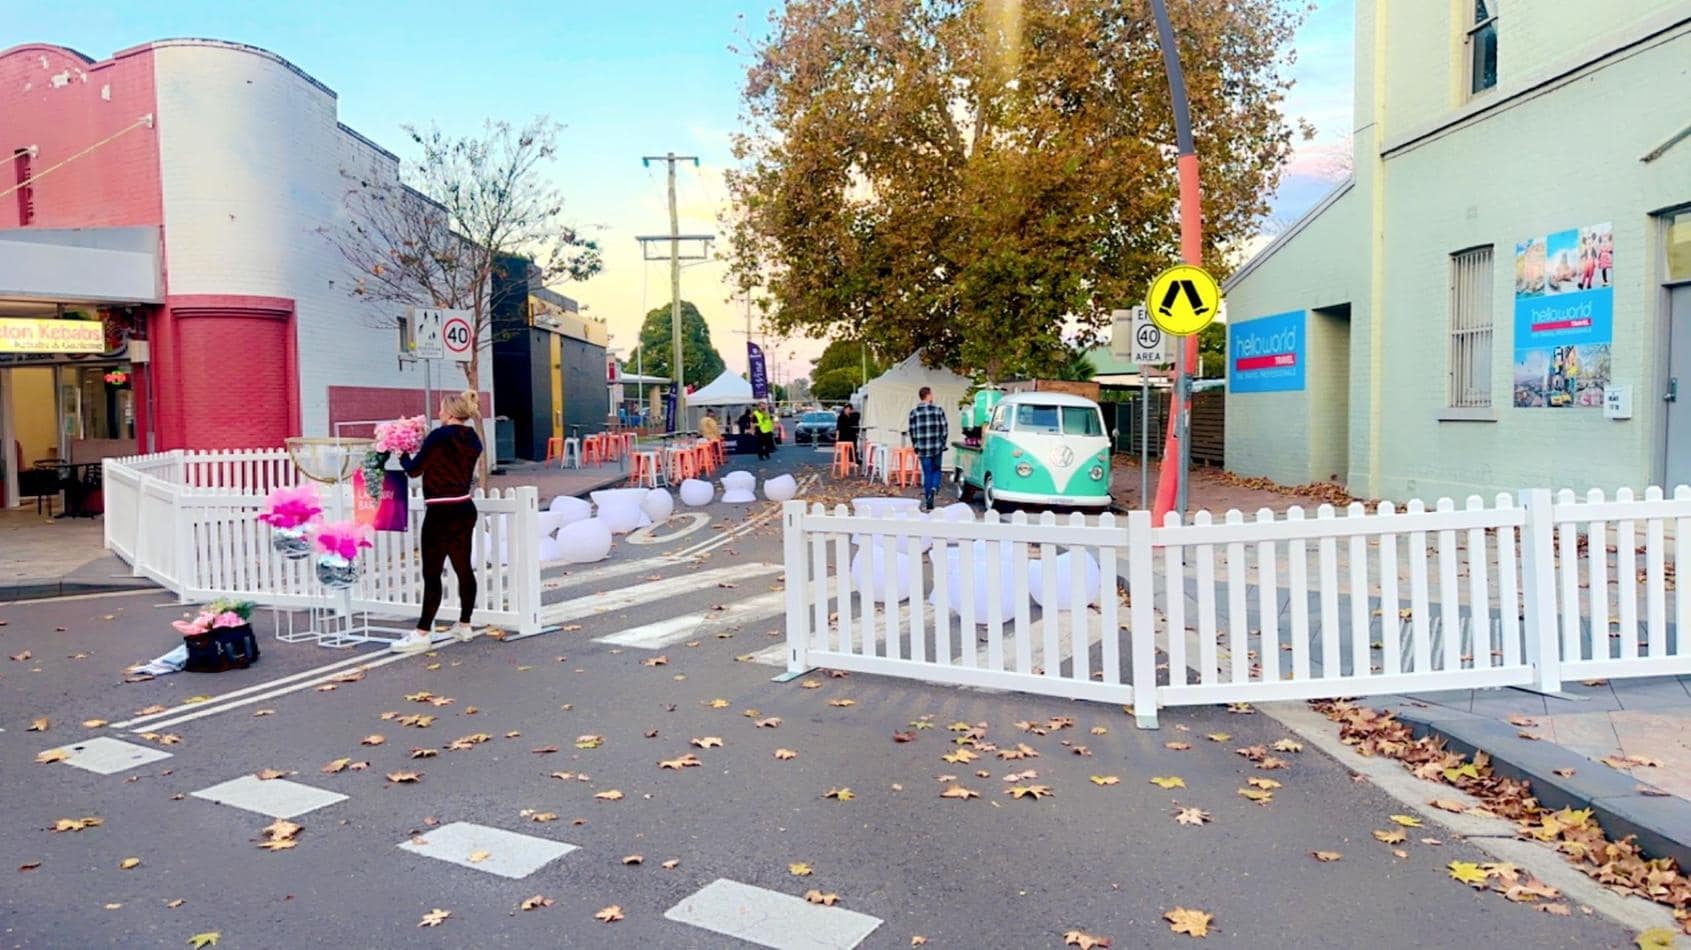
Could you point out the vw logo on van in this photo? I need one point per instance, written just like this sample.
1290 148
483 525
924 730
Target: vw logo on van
1065 458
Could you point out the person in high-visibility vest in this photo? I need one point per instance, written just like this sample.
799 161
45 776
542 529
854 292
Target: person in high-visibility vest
764 423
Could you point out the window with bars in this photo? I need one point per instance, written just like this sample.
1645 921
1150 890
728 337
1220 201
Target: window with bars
1470 328
1482 47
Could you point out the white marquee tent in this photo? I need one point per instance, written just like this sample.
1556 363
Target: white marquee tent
889 397
729 389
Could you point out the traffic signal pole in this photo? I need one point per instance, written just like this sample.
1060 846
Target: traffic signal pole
1171 478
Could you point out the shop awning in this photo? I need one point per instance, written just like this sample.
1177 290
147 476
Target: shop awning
41 268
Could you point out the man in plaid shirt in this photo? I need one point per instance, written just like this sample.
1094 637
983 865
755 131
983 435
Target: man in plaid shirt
929 432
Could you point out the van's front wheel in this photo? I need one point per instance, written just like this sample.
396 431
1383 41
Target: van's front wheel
965 491
992 502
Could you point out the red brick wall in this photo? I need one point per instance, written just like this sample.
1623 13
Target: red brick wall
60 102
357 403
227 372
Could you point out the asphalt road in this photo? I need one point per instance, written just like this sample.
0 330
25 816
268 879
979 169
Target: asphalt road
993 871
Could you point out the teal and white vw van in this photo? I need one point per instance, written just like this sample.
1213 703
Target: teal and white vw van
1036 448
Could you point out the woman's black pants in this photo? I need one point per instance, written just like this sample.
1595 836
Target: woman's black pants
447 530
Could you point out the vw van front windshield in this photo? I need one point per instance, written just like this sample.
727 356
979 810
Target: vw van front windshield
1082 420
1032 418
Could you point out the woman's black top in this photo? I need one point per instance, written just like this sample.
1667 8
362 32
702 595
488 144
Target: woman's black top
446 461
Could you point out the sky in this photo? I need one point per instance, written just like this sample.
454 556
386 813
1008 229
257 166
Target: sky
626 79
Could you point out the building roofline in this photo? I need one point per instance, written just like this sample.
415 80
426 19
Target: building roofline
55 47
1285 237
365 139
258 51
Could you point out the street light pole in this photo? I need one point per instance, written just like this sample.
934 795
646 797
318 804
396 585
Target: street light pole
1172 487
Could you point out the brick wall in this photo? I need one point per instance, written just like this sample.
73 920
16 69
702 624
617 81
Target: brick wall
61 102
360 403
226 372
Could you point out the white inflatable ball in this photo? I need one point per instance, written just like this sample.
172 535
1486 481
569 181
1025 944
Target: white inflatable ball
550 522
695 493
658 504
870 576
584 541
739 481
984 594
781 488
1063 568
549 550
618 511
958 511
572 509
738 496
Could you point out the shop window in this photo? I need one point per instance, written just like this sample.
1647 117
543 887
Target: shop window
1470 328
1482 47
1679 245
21 167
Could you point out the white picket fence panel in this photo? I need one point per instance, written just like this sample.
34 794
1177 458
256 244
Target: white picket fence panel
1614 611
1436 632
925 640
1518 593
189 521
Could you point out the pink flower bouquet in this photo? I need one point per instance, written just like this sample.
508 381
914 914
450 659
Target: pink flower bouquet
222 614
401 435
343 539
291 507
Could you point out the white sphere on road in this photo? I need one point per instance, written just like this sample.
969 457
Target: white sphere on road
585 541
696 493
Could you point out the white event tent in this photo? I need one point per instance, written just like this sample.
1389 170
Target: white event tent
889 397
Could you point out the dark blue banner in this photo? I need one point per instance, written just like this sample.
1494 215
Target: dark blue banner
669 409
758 370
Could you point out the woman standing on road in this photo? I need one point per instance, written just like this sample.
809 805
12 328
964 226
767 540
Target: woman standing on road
447 464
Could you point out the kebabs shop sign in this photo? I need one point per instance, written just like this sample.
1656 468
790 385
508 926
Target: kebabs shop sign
19 335
1267 355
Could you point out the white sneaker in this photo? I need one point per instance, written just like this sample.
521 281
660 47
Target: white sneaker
412 642
464 633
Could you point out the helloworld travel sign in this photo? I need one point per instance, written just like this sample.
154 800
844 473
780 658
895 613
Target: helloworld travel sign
19 335
1267 355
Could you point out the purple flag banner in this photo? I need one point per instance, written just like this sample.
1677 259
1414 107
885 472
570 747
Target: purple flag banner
759 371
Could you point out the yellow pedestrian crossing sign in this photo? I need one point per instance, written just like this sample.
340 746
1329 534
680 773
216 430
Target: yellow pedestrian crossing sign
1183 300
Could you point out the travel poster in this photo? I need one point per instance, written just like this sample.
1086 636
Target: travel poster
1564 318
1267 355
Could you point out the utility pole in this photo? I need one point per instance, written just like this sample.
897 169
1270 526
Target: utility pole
1172 483
675 237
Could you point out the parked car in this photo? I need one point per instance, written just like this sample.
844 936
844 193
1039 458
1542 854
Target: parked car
816 427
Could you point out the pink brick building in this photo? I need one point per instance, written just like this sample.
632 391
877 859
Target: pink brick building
180 191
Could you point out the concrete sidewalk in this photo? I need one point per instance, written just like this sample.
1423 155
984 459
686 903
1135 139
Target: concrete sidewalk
1620 747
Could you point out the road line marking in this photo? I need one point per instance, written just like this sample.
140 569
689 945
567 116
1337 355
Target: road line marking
491 850
662 633
278 798
647 534
104 755
202 710
607 571
743 529
625 597
218 700
771 919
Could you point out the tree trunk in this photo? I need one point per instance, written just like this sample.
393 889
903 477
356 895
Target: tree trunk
472 379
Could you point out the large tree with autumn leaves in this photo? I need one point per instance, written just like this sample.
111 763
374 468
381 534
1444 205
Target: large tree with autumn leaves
989 178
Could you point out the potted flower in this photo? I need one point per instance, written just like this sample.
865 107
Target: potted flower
404 435
288 511
337 564
220 638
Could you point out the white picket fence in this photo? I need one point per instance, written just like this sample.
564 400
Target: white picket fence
189 522
1523 592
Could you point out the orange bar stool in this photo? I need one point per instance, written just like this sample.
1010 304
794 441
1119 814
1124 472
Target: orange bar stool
905 466
647 470
845 459
554 447
592 450
720 447
704 458
628 440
